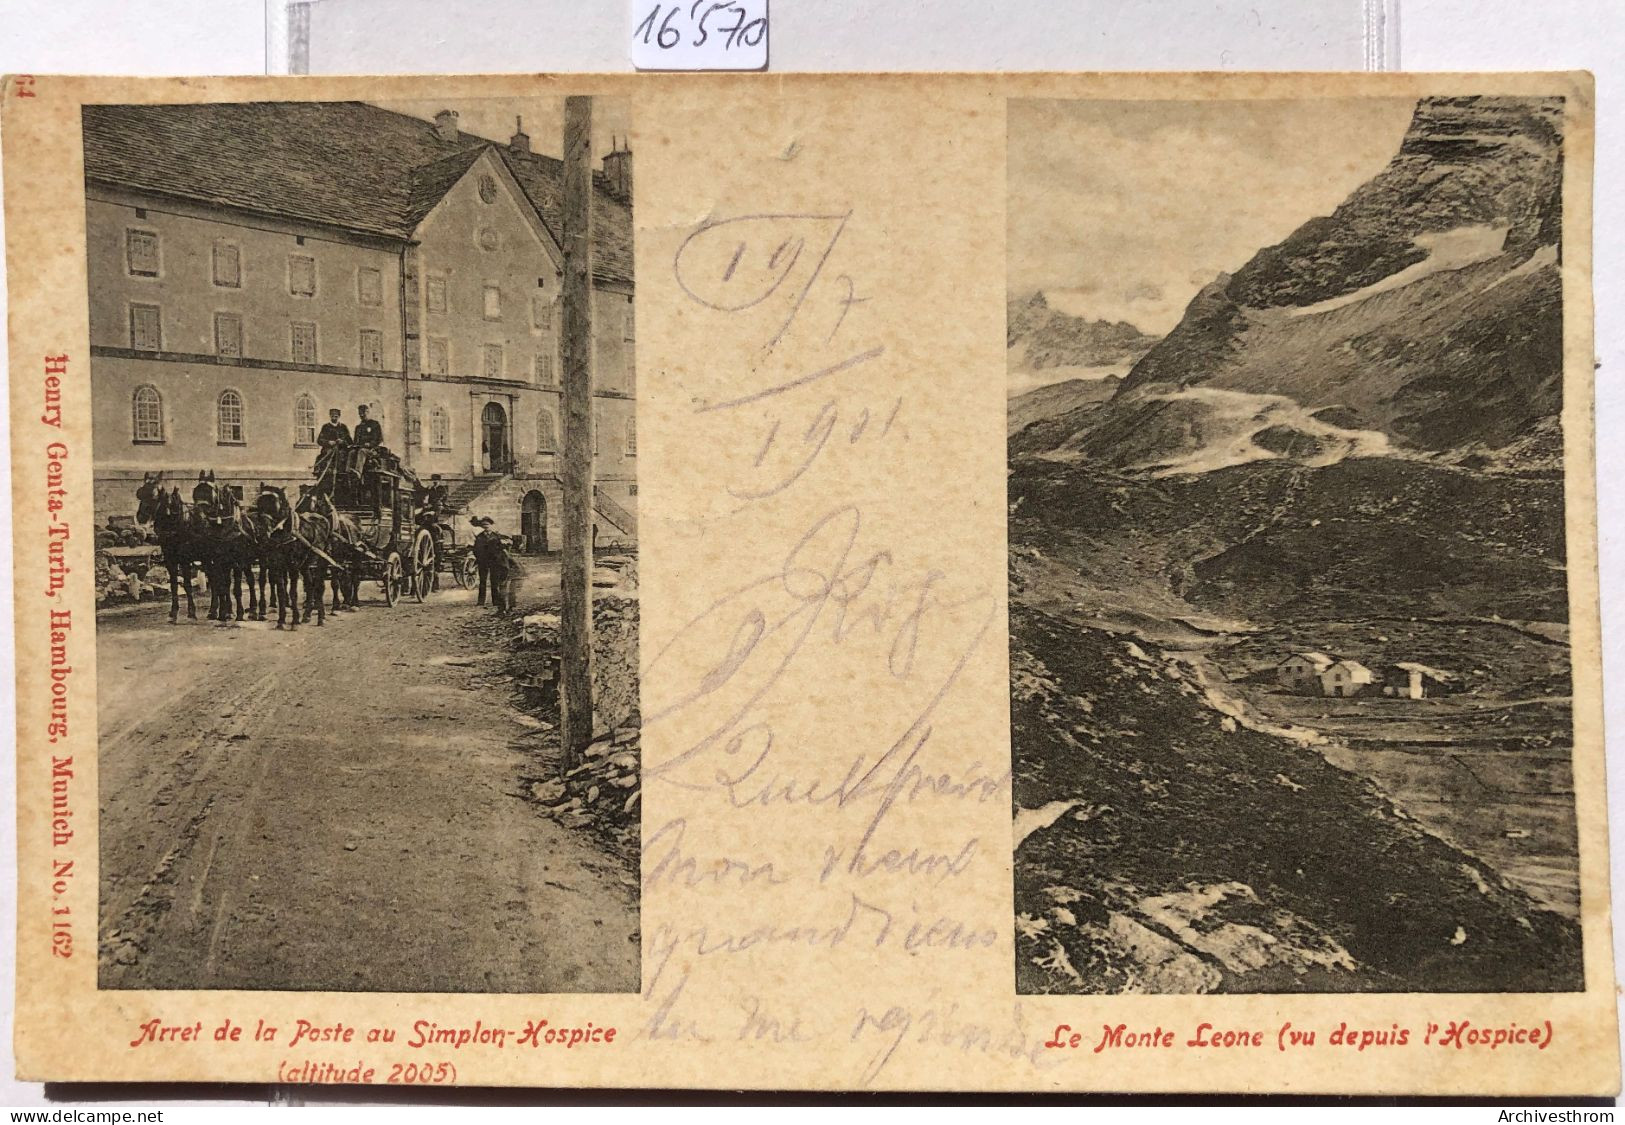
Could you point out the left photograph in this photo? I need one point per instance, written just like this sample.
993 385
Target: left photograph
327 368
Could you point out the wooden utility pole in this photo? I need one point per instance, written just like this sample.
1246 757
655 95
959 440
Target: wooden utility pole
575 565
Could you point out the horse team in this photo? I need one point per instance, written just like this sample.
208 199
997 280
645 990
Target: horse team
279 544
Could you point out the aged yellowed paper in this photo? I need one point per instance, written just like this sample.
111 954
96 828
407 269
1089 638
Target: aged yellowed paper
1093 582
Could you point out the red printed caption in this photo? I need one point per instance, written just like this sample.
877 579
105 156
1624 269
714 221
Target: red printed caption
1452 1034
314 1043
59 627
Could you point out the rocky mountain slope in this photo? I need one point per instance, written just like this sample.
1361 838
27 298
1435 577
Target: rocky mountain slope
1273 540
1051 338
1163 847
1057 398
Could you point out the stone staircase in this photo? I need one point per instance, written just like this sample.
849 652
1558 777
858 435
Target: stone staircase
465 494
617 515
502 496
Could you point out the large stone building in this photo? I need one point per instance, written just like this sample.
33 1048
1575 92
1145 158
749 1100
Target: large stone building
252 266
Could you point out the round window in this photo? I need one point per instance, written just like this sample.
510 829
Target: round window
488 188
488 238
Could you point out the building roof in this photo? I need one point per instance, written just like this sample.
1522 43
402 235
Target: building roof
1356 670
348 165
431 182
1319 659
1430 673
543 180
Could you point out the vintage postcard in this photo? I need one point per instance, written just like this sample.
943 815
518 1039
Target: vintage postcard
1113 604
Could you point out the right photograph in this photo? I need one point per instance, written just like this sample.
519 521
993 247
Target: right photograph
1291 704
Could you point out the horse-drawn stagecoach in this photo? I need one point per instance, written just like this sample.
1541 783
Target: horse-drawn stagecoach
377 530
368 520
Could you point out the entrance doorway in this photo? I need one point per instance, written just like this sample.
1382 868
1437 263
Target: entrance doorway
533 522
494 439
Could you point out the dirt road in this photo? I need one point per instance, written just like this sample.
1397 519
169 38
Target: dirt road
337 808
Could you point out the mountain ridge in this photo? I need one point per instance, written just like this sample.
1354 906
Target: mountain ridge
1427 307
1049 337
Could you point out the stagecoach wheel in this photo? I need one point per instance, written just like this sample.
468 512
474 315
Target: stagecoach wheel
468 572
422 563
394 578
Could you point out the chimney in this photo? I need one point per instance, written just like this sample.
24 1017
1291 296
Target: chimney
618 169
520 141
445 125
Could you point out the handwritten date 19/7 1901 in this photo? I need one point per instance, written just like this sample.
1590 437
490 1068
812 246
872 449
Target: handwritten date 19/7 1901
775 283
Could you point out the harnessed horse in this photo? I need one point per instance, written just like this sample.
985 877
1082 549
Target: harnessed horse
298 543
179 538
235 541
347 550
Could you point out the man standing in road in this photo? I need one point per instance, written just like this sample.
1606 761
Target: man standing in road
487 556
511 575
500 575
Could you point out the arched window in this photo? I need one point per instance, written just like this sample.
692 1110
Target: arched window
631 437
304 420
547 434
229 418
147 414
439 428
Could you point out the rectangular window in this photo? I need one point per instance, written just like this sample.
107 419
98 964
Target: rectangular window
493 361
541 312
372 349
301 275
141 252
438 360
302 342
493 301
439 429
146 332
544 369
370 286
629 330
228 334
228 266
436 291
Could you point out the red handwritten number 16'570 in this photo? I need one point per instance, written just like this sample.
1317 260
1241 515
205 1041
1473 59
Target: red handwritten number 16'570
667 32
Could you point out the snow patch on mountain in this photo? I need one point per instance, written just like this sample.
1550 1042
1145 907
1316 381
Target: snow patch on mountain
1446 250
1234 421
